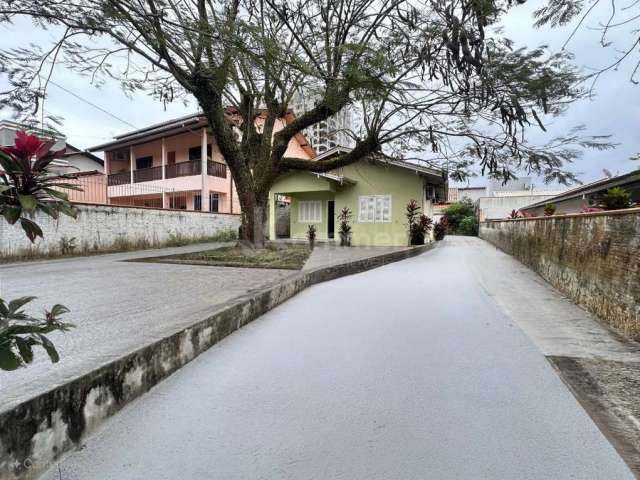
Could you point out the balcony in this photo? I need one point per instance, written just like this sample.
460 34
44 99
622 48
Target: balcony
181 169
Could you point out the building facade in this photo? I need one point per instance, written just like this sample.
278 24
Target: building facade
588 195
376 191
176 164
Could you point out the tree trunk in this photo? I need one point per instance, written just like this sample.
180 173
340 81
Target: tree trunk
254 218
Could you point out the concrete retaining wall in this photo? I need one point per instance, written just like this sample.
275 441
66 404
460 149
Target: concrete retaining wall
37 432
105 228
594 259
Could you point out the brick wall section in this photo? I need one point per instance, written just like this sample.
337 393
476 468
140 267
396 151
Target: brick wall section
594 259
103 228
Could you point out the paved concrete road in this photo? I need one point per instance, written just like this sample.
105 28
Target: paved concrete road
410 371
116 306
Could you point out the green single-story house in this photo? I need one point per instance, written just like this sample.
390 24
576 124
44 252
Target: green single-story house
375 189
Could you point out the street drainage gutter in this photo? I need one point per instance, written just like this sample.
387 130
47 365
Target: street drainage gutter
36 433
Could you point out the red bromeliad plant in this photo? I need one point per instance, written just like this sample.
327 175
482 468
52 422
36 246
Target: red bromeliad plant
419 224
27 186
441 228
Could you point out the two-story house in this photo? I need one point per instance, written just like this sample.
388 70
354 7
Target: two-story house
177 164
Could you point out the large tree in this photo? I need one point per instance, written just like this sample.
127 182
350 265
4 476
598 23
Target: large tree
431 77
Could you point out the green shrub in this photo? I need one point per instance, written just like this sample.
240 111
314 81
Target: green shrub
616 199
549 209
468 226
457 211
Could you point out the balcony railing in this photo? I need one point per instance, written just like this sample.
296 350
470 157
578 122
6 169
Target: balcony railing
121 178
147 174
182 169
217 169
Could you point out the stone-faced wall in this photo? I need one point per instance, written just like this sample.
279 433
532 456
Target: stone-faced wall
594 259
105 228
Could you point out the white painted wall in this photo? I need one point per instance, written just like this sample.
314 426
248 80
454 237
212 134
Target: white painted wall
101 227
498 208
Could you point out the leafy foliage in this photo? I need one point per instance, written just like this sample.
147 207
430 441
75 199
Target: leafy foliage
27 184
617 26
468 226
616 199
20 332
549 209
344 229
311 235
418 224
440 229
458 211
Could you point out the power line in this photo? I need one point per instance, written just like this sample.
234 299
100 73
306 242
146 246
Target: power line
92 104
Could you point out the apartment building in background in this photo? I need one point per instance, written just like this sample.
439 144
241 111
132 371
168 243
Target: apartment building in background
328 134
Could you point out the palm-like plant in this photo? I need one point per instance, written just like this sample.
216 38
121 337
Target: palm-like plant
27 186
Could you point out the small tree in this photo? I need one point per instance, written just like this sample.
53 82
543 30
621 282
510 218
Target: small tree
468 226
27 186
457 211
616 199
344 229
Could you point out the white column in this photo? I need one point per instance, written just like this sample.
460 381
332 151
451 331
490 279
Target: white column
132 161
163 160
204 193
271 217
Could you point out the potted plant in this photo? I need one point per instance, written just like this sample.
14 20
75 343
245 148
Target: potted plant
311 236
440 228
419 224
549 209
344 229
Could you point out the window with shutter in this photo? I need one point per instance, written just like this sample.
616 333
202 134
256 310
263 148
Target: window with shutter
310 211
374 209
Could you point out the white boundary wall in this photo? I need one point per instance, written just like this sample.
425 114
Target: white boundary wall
105 227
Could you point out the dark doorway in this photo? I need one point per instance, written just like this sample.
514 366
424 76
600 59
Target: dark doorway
331 218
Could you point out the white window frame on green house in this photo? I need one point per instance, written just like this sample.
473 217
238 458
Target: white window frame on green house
310 211
372 208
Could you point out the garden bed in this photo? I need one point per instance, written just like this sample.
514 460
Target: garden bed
285 256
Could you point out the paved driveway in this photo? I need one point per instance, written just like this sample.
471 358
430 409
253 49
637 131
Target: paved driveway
410 371
117 307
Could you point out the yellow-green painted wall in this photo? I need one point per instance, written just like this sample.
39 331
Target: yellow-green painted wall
371 179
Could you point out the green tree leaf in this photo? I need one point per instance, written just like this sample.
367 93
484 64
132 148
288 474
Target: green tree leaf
8 359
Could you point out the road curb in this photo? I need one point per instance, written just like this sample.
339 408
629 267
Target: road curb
36 433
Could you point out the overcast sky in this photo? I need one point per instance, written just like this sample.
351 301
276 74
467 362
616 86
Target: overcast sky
615 111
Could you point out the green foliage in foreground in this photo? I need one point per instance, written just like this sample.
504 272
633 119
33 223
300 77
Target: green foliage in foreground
20 332
29 185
